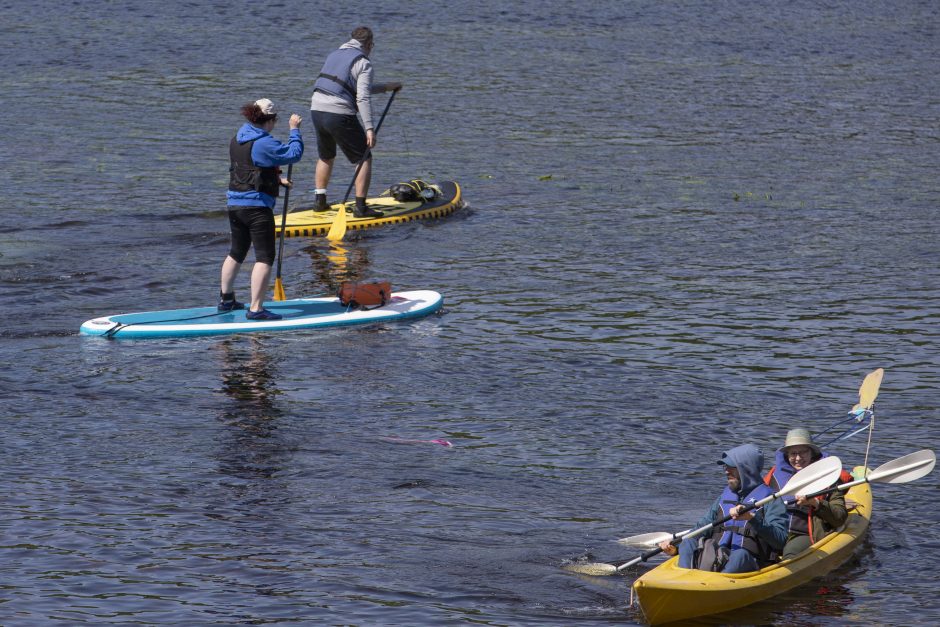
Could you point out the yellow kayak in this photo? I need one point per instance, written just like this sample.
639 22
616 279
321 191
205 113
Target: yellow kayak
668 593
309 223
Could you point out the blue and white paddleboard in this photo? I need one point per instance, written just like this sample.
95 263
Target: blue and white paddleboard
301 313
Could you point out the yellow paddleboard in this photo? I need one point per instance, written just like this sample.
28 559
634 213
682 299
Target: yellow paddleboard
305 222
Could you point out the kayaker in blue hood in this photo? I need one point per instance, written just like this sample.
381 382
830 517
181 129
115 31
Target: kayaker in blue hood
748 460
746 542
254 184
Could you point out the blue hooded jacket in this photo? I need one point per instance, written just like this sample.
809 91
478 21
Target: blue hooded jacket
770 522
266 152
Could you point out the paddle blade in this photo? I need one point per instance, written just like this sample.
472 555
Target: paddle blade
279 290
904 469
869 389
595 568
649 540
817 476
338 228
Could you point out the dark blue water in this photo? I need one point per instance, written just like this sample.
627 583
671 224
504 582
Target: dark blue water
691 225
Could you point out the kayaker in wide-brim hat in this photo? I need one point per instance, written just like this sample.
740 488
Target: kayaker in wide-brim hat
799 439
810 519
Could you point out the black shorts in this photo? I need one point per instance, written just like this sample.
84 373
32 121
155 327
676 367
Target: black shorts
342 129
252 225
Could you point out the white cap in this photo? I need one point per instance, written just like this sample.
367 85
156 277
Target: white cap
267 107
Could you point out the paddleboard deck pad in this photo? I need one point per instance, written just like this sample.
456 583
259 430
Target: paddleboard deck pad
301 313
305 222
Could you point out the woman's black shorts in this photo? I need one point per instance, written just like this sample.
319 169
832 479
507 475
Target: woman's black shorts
252 225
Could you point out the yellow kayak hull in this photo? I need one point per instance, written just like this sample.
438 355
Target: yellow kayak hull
309 223
668 593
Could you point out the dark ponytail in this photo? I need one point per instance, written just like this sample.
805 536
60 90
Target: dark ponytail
253 114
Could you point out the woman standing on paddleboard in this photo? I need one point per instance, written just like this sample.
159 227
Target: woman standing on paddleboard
254 185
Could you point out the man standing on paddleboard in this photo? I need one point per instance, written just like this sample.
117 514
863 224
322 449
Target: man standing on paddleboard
254 185
343 88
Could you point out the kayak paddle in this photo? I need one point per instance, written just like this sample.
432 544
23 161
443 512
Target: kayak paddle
278 286
651 539
901 470
867 393
817 476
338 228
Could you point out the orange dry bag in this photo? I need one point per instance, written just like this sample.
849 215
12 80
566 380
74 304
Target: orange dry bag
365 294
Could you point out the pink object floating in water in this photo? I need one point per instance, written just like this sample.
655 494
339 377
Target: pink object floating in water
398 440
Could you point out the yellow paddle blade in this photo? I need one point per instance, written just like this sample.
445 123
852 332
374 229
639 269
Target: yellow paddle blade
338 228
869 389
279 290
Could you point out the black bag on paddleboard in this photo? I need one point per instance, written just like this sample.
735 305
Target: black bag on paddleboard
375 294
414 190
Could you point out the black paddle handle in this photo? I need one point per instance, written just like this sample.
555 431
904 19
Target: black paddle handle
722 521
280 248
675 540
647 555
831 489
655 551
368 154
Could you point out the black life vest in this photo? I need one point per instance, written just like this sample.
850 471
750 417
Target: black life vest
245 176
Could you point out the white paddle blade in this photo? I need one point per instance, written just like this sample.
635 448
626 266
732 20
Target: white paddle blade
904 469
649 540
596 569
817 476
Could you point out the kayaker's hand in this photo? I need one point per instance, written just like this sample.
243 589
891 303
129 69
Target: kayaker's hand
802 501
286 182
736 513
393 86
370 138
295 121
668 547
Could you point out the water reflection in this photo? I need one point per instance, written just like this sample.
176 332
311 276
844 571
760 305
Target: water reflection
249 376
804 606
335 262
